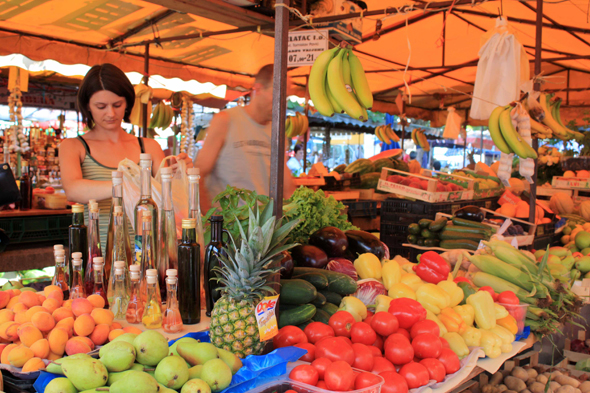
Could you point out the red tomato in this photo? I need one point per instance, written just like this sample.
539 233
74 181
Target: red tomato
491 291
363 333
436 370
376 351
368 319
425 326
356 374
315 331
289 336
461 279
450 360
378 343
381 364
384 323
508 297
334 348
310 355
291 391
365 380
416 374
407 311
398 349
363 357
322 385
394 383
445 343
370 313
305 373
427 345
339 376
341 322
321 364
404 332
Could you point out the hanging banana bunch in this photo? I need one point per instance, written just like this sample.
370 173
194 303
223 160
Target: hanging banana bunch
419 139
161 116
143 95
505 136
337 83
551 125
296 125
385 134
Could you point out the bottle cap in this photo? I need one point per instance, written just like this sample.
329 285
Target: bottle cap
60 253
167 170
171 272
91 201
24 163
118 272
119 264
117 174
145 156
93 207
216 219
97 266
98 260
61 259
193 171
77 208
119 209
134 275
134 268
76 255
189 223
152 279
171 280
58 247
76 262
151 272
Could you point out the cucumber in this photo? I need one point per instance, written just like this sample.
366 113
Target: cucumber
462 244
412 239
424 223
447 234
337 282
332 297
321 316
463 229
297 291
297 316
437 225
420 242
285 307
431 242
472 224
319 300
414 229
330 308
318 280
304 324
427 234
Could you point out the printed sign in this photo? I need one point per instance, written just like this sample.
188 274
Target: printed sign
266 318
306 46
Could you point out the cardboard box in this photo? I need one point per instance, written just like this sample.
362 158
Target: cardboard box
570 182
350 29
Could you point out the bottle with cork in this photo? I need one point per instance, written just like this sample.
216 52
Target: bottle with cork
189 274
77 237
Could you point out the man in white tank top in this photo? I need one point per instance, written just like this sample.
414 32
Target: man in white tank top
237 149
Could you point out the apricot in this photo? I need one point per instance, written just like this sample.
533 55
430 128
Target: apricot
81 306
102 316
68 325
20 317
51 305
34 310
116 325
62 313
33 364
42 298
100 334
6 316
84 325
53 356
8 330
113 334
96 300
6 352
29 335
4 299
74 346
51 288
56 295
2 346
13 300
58 338
85 340
41 348
29 299
19 307
132 329
19 356
67 304
43 321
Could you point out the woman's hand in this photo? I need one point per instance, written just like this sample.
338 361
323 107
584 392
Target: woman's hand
181 157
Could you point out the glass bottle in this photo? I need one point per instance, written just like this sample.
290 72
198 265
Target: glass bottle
148 255
153 272
78 236
214 248
26 189
94 249
189 289
135 305
6 152
172 320
145 205
112 240
99 288
120 300
194 202
78 289
60 278
166 232
111 284
118 250
152 310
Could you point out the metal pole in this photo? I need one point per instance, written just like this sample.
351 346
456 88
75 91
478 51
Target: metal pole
144 107
538 44
403 127
279 108
481 146
306 113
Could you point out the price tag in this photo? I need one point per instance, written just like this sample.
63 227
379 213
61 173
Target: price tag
266 318
305 46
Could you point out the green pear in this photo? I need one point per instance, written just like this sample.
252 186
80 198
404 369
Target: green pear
114 377
195 372
195 386
117 356
85 373
54 368
217 374
234 362
172 372
135 382
151 347
129 337
164 389
173 350
60 385
197 353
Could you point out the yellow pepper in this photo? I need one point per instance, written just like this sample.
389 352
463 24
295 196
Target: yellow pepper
491 343
506 337
382 303
408 268
457 344
391 273
411 280
472 337
432 298
401 290
483 304
353 305
500 311
452 320
455 293
509 323
430 315
368 266
467 313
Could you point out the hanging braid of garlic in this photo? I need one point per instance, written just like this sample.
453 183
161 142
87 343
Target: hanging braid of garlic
184 126
192 147
19 141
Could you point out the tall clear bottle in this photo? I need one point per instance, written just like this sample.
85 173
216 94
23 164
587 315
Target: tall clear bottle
117 178
112 280
78 290
154 273
118 251
172 322
214 248
189 280
77 237
152 310
148 255
120 300
166 232
194 211
99 288
144 206
135 305
60 278
26 188
94 249
6 154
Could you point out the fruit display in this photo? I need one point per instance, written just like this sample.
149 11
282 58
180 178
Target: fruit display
162 116
385 134
482 182
535 379
421 183
143 95
505 136
419 139
296 125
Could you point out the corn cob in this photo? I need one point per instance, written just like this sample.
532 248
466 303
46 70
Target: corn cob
499 285
496 267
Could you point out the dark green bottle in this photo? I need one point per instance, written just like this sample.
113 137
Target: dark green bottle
78 239
189 274
214 248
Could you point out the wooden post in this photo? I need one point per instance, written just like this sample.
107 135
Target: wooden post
306 113
481 155
538 44
144 107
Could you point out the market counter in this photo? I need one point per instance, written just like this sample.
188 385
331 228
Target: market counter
199 327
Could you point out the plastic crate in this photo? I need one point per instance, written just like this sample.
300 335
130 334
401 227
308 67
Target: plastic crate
541 242
393 235
547 229
338 185
361 208
36 229
410 253
13 384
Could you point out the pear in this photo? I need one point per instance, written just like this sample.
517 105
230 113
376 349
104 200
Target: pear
197 353
85 373
60 385
164 389
117 356
172 372
196 386
54 367
114 377
129 337
195 372
234 362
135 382
173 350
151 347
217 374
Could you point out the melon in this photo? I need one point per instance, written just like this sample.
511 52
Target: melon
583 174
516 186
494 167
569 174
561 203
585 210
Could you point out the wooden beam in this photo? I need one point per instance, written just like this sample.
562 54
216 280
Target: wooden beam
398 25
140 27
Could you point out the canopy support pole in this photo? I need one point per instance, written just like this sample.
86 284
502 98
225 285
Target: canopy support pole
279 107
537 87
306 113
403 127
144 107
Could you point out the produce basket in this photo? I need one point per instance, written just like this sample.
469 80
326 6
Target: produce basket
575 163
546 229
36 228
478 192
361 208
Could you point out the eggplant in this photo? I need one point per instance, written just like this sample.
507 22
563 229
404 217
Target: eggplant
361 242
471 213
309 256
330 239
287 266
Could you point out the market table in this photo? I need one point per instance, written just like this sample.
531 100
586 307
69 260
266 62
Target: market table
199 327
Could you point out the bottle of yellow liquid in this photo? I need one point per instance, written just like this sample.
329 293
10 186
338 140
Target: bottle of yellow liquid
152 311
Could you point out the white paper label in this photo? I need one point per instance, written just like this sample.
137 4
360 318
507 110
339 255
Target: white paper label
305 46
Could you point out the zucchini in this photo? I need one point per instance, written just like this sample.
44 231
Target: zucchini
337 282
424 223
427 234
285 307
330 308
297 316
448 234
332 297
321 316
304 324
472 224
459 244
414 229
412 239
318 280
319 300
437 225
297 291
431 242
420 242
459 228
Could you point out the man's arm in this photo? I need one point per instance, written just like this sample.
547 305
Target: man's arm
288 183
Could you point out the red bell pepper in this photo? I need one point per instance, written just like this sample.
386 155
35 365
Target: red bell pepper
508 297
462 279
432 268
491 291
407 311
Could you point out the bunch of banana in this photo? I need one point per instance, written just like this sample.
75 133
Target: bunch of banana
296 125
385 134
143 95
556 115
505 136
162 116
337 83
419 139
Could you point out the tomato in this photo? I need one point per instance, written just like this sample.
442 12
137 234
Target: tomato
376 351
369 314
321 364
425 326
305 374
407 311
334 348
368 319
362 332
384 323
445 343
450 360
291 391
363 357
365 380
382 364
491 291
315 331
404 332
508 297
378 343
339 376
289 336
427 345
394 383
322 385
416 374
436 370
342 323
356 374
398 349
310 348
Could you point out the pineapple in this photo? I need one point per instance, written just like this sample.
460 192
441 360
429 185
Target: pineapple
244 275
